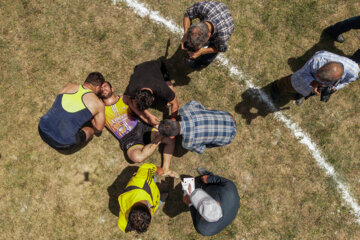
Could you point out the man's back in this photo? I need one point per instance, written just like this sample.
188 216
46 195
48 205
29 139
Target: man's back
203 128
73 107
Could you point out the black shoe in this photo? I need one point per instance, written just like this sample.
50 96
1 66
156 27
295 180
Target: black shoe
275 92
339 38
356 56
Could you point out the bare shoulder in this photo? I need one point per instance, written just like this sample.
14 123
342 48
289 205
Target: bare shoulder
69 88
93 103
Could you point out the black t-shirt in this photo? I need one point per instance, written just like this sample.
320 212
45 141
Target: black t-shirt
149 75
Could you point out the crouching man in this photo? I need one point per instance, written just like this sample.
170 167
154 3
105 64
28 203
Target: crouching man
214 205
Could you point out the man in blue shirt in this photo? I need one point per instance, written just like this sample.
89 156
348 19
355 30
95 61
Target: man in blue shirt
200 127
322 70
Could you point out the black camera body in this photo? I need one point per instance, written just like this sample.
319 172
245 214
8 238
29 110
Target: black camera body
325 93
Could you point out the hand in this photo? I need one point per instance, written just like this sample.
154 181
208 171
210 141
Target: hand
204 178
316 85
158 138
159 171
186 199
170 173
182 43
154 120
194 55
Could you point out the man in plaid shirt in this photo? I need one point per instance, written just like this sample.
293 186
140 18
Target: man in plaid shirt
205 39
200 127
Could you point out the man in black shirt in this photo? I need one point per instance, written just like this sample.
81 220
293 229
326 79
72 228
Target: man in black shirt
150 80
204 202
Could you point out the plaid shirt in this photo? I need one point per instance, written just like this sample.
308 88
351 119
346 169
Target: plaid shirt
219 16
201 128
302 78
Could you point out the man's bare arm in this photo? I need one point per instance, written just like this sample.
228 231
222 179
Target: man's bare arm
98 121
174 103
186 23
202 51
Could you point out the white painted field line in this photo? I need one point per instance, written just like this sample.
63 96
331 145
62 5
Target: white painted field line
142 10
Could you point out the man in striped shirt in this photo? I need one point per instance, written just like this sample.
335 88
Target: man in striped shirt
200 128
322 70
205 39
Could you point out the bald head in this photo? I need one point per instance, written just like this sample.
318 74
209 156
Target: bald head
330 72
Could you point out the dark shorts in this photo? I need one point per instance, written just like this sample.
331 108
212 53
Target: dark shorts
140 135
80 138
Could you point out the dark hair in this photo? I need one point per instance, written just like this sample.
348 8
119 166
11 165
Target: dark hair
330 72
139 218
144 99
196 36
95 79
168 128
108 83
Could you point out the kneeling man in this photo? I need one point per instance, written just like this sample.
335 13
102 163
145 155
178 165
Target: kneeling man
200 127
137 139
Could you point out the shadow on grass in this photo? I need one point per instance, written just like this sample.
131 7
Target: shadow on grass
325 43
253 105
118 187
174 205
176 66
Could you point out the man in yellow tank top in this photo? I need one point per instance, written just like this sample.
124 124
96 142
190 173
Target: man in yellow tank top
75 115
137 139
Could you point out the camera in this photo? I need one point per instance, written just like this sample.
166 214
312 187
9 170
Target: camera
325 93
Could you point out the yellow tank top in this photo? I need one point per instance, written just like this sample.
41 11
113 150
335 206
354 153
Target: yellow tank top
118 119
73 102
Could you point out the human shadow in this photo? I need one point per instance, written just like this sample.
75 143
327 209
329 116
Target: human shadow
258 103
118 187
176 66
174 205
325 42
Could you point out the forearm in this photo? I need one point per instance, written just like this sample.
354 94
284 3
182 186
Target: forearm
186 24
208 50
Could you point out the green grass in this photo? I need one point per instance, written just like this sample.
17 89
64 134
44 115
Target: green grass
284 194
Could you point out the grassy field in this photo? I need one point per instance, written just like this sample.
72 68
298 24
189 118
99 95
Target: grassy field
284 194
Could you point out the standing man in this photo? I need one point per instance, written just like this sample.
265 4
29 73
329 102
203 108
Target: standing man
150 80
205 39
325 70
137 139
200 127
336 30
213 206
140 200
75 115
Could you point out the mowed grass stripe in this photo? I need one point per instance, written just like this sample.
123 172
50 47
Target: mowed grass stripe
143 11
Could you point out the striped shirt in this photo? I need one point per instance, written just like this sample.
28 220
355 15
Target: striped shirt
302 78
201 128
219 16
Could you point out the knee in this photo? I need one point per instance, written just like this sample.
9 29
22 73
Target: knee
136 158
